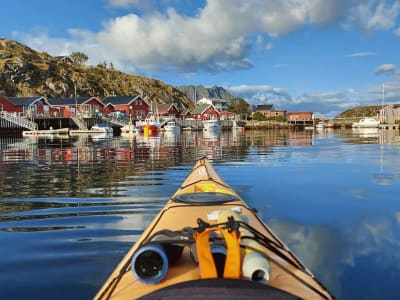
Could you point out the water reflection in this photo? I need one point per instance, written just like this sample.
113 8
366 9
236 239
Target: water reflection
81 202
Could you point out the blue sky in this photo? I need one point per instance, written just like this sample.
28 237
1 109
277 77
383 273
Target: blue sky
324 56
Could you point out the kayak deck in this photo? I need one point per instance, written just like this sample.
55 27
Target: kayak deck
201 196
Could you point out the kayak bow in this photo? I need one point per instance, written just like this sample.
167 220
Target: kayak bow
206 242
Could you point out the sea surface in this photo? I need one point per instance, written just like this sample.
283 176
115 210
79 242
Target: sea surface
70 208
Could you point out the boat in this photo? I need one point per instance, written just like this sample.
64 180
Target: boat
321 125
101 128
128 129
206 243
172 126
151 124
46 132
212 125
366 123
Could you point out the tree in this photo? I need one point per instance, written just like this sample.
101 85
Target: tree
79 57
240 106
259 116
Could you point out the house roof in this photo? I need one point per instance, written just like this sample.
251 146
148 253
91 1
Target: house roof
265 107
198 110
305 113
117 100
70 101
24 101
165 108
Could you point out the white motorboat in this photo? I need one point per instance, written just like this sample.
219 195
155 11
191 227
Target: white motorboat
366 123
171 126
128 129
101 128
320 125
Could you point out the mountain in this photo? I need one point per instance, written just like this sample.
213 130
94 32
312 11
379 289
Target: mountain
26 72
200 92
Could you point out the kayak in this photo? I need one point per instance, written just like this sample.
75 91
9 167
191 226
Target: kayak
207 242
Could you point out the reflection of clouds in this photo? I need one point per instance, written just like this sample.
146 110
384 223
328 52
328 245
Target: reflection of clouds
320 248
129 226
356 194
336 254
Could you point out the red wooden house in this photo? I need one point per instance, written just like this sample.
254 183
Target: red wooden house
27 106
167 110
205 112
85 107
186 115
133 106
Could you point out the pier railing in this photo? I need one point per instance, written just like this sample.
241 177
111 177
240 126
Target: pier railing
21 121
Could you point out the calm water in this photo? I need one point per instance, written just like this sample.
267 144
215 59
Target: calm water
71 208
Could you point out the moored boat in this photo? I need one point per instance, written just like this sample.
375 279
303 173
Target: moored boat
366 123
101 128
128 129
207 243
172 126
46 132
151 124
321 125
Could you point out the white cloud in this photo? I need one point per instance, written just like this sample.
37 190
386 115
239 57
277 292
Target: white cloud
360 54
375 14
329 104
126 3
217 38
386 69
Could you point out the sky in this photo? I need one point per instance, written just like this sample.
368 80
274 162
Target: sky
324 56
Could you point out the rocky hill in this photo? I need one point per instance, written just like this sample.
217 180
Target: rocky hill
361 111
200 92
25 72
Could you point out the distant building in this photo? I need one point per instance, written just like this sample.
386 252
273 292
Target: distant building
28 106
167 110
268 111
86 107
265 109
133 106
220 104
205 112
301 116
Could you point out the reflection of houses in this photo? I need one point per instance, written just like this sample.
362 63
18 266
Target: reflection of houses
28 106
219 104
167 110
133 106
85 107
205 112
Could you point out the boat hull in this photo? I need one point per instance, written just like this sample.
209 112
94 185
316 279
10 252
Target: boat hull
203 195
